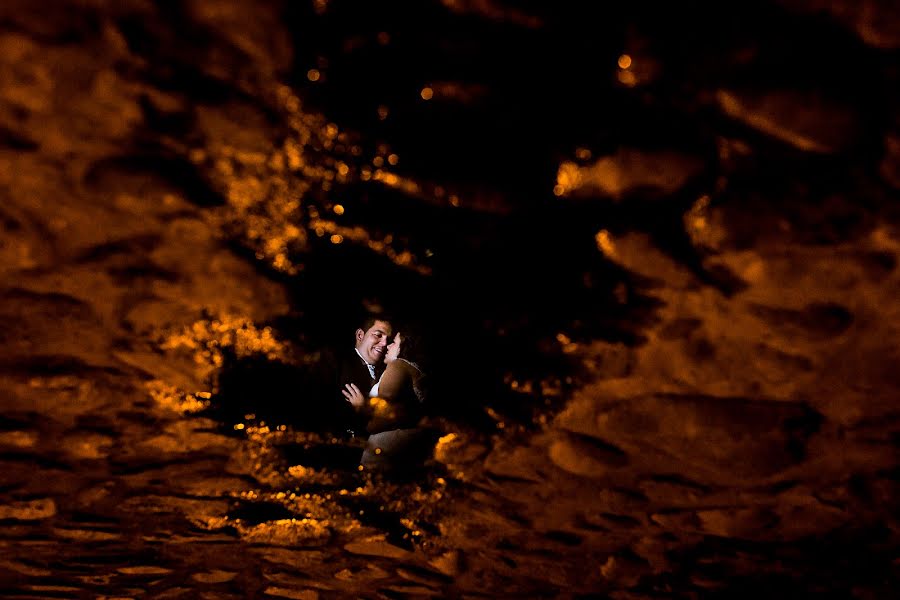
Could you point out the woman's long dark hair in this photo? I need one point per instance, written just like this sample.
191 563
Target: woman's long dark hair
413 346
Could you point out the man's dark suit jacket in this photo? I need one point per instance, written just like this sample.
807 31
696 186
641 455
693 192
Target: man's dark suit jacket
350 368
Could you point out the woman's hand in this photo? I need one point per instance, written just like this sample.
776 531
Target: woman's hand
353 395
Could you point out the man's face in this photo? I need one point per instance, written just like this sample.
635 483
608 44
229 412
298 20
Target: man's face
373 343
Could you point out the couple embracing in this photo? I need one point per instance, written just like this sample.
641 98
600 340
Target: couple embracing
383 379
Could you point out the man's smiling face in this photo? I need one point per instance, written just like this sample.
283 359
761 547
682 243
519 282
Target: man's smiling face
373 342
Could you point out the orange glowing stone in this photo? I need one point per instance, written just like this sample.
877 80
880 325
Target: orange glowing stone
313 75
624 61
427 93
338 209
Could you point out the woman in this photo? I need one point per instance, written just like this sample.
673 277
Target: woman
396 403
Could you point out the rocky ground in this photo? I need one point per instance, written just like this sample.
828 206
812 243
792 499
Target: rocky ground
658 248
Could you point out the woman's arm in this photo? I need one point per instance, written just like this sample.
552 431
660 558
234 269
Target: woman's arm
353 395
387 410
392 381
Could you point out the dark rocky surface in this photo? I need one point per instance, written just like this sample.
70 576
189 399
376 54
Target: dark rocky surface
656 244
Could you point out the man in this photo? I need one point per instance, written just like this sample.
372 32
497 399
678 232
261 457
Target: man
363 366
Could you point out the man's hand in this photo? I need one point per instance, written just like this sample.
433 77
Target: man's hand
353 395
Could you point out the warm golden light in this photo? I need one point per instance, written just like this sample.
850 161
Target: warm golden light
338 209
360 236
298 471
568 346
393 159
627 78
605 243
447 439
172 398
378 161
427 93
624 61
313 75
568 178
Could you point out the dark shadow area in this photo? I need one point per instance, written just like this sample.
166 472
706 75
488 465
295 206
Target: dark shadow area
342 457
275 392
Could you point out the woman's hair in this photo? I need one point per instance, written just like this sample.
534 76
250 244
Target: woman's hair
412 349
412 346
